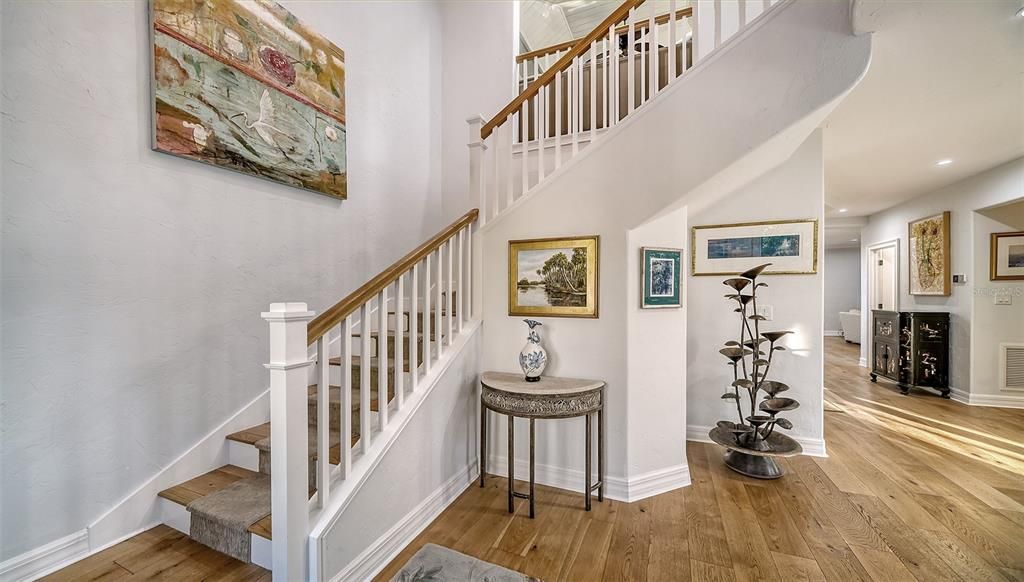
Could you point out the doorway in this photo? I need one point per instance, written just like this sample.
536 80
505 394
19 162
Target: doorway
883 276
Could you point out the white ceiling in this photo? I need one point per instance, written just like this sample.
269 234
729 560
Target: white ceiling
946 81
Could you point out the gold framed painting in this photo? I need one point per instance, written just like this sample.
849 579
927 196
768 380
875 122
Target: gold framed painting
1006 260
790 246
928 250
553 277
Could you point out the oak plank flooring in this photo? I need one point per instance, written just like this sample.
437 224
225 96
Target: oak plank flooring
915 488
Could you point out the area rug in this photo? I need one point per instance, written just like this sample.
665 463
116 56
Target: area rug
436 564
221 519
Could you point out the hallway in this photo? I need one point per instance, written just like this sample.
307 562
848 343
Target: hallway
915 488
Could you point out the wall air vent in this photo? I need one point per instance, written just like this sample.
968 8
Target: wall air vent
1011 366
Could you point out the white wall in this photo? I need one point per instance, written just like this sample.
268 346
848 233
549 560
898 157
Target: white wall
996 186
479 47
842 285
677 152
133 281
794 190
993 324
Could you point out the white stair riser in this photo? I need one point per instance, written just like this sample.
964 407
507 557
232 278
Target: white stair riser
243 455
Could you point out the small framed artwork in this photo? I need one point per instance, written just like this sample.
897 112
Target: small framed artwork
791 246
553 277
929 255
661 277
1007 256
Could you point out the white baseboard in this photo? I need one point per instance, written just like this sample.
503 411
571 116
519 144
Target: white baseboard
380 553
993 400
863 362
616 488
140 508
833 333
46 559
812 447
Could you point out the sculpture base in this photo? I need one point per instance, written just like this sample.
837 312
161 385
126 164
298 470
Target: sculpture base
532 379
756 466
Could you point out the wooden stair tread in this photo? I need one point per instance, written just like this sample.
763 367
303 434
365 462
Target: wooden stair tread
205 484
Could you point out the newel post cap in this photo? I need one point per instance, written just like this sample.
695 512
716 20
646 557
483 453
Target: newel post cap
288 312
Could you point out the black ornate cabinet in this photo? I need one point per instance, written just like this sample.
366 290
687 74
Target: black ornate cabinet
911 348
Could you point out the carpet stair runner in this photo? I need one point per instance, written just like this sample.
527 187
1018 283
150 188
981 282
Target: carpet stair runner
229 504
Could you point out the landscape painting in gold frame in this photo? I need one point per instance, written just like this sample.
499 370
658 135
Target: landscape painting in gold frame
553 277
1007 256
928 250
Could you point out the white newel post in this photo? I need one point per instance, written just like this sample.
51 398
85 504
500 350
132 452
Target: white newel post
476 162
289 377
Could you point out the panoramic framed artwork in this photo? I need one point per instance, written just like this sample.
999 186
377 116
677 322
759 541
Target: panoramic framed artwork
244 85
1007 256
662 271
553 277
929 255
791 246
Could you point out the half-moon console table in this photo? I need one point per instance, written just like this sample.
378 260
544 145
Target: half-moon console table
513 396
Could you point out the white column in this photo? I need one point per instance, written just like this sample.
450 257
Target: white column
289 437
476 165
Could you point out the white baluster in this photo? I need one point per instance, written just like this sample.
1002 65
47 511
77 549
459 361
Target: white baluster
510 137
323 421
428 330
448 285
575 104
459 302
718 23
346 397
400 342
558 119
742 7
524 150
289 436
469 271
365 426
542 131
593 90
655 55
414 331
672 25
476 170
382 357
630 65
612 67
495 154
438 304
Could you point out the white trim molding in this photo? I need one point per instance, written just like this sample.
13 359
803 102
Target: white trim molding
46 559
629 490
993 400
812 447
380 553
833 333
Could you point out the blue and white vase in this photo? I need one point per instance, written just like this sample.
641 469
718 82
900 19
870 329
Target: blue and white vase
533 359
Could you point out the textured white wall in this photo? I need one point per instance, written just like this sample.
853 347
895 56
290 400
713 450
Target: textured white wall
133 281
996 186
794 190
842 284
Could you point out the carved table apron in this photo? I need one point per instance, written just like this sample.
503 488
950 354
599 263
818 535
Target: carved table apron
513 396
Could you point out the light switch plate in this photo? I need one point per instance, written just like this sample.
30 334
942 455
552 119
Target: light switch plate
960 279
766 311
1003 299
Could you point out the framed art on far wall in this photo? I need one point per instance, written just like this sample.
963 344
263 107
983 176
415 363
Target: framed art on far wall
661 273
1007 256
791 246
553 277
928 250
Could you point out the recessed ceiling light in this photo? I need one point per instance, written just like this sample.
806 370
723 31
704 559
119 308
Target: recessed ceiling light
842 210
853 240
945 162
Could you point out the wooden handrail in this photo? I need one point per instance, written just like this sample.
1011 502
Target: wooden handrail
659 20
578 49
342 309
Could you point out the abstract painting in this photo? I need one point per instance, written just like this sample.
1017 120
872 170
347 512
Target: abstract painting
929 255
244 85
1007 256
662 269
790 246
554 277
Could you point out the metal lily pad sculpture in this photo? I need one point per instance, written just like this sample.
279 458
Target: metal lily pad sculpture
752 442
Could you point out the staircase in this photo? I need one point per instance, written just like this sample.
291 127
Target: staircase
390 337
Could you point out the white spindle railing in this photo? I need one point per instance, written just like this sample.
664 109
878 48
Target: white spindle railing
570 94
403 316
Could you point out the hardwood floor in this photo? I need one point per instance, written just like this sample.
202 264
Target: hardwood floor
915 488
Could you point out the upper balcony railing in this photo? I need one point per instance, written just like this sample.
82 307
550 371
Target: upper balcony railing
569 94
